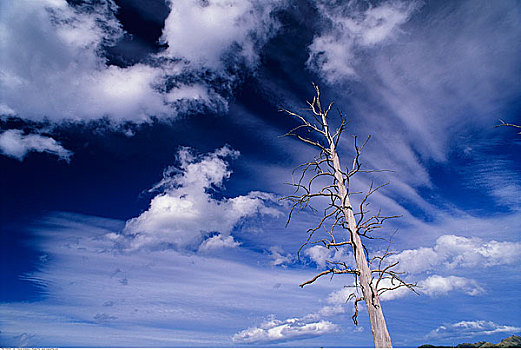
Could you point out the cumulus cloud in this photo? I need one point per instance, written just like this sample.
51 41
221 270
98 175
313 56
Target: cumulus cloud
391 293
321 255
469 329
318 254
16 145
340 296
218 242
449 252
338 299
184 211
437 285
453 251
53 65
310 325
275 330
433 286
338 303
333 53
207 33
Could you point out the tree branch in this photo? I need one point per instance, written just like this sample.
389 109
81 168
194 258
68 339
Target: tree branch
327 272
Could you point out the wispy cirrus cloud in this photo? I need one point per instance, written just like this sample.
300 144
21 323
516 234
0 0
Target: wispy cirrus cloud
444 81
423 103
336 51
98 295
498 176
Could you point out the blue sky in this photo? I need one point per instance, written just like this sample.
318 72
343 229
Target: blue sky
142 167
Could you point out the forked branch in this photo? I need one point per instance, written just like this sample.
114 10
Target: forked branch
333 271
324 179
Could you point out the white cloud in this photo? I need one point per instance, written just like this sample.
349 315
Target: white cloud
278 257
338 299
98 295
275 330
16 145
497 176
467 329
393 293
333 53
313 324
53 66
336 303
332 310
453 251
320 255
310 325
433 286
427 89
218 242
206 33
6 110
437 285
340 296
421 85
185 210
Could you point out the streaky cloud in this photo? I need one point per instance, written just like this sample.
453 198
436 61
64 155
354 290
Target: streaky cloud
335 52
95 294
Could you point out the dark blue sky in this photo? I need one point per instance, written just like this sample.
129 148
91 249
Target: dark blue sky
100 101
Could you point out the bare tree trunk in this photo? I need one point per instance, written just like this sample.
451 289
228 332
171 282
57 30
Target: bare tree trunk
339 214
378 326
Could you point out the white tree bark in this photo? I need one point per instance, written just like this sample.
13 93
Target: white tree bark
316 132
378 325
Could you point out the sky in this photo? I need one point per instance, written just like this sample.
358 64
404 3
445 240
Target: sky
143 165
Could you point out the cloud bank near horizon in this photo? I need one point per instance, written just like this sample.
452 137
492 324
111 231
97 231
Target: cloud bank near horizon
100 295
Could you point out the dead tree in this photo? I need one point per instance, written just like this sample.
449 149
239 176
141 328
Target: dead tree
340 223
509 124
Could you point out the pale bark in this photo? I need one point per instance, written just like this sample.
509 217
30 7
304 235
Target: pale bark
316 132
378 325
